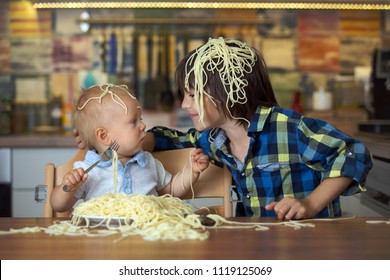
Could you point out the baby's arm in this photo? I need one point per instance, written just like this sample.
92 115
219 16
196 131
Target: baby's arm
184 179
293 209
63 201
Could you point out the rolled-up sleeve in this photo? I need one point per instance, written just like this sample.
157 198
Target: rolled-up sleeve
171 139
334 153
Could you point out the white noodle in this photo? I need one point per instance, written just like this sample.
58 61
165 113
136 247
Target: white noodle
106 89
230 62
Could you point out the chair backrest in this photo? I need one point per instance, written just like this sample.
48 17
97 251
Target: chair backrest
214 182
53 177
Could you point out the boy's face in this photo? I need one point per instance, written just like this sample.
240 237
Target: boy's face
127 129
211 116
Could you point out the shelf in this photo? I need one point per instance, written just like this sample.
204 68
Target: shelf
178 21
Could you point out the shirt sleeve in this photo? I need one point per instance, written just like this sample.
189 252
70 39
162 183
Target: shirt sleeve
333 153
163 176
171 139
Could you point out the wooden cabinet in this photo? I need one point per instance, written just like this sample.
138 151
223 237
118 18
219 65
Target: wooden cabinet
346 120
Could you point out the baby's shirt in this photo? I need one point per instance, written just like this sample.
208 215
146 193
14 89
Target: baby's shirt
143 174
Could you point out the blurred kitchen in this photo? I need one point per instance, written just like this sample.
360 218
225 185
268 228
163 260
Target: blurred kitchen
328 61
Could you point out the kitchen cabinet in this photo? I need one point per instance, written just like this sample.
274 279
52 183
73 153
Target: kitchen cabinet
352 206
27 171
5 182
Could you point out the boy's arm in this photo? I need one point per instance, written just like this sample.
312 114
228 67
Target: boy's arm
291 208
148 144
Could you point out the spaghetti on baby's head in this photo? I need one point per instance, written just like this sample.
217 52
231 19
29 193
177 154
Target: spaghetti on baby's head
97 106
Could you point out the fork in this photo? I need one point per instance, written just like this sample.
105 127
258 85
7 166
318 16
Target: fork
105 156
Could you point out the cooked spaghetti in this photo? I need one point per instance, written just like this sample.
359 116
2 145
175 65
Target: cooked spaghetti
231 63
153 217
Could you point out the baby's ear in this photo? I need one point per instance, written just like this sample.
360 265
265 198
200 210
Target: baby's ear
102 136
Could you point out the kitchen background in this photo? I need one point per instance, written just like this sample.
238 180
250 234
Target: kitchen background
320 62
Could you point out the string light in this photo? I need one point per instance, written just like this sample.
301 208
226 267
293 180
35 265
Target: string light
212 5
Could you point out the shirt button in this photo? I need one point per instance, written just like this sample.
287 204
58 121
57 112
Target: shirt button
127 191
243 174
349 154
248 196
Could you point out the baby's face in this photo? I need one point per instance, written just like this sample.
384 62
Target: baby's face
128 128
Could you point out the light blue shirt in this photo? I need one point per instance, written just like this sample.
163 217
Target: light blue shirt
143 174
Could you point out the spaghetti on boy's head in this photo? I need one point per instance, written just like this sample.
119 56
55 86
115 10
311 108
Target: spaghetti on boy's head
91 109
225 71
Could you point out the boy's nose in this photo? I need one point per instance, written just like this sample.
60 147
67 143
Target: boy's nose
185 104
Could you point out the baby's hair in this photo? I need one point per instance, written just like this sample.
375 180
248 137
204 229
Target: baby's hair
107 89
87 115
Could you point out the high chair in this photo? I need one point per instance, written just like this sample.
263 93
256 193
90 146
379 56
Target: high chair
214 182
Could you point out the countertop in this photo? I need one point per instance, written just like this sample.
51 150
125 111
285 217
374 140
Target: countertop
53 140
330 239
378 145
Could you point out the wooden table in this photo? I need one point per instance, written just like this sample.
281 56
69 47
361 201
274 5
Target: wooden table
349 239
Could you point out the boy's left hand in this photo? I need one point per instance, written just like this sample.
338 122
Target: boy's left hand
199 160
291 209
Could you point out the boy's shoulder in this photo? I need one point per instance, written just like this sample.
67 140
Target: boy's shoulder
287 112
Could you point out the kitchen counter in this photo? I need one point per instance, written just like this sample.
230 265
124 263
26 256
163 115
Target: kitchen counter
378 145
58 140
330 239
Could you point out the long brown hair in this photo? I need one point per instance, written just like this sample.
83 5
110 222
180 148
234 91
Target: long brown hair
258 89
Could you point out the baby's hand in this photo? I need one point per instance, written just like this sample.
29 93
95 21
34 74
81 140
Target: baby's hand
75 178
199 160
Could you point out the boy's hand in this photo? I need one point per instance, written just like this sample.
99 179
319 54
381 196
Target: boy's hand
75 178
292 209
78 140
200 161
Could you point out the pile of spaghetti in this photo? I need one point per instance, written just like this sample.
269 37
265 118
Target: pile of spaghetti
152 217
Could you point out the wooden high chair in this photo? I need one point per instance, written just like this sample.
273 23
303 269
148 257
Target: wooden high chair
214 182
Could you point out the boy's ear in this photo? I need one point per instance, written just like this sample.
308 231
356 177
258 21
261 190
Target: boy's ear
102 136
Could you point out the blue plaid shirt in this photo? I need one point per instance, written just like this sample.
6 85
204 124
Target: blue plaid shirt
288 156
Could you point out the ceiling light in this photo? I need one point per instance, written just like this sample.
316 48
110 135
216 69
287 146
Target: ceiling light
294 5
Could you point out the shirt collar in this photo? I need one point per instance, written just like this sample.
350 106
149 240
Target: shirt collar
257 124
139 158
259 119
220 139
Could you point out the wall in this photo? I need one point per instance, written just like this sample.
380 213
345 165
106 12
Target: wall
45 54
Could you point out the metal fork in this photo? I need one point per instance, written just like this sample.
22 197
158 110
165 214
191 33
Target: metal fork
105 156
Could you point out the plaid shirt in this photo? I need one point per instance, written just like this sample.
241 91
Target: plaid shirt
288 156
